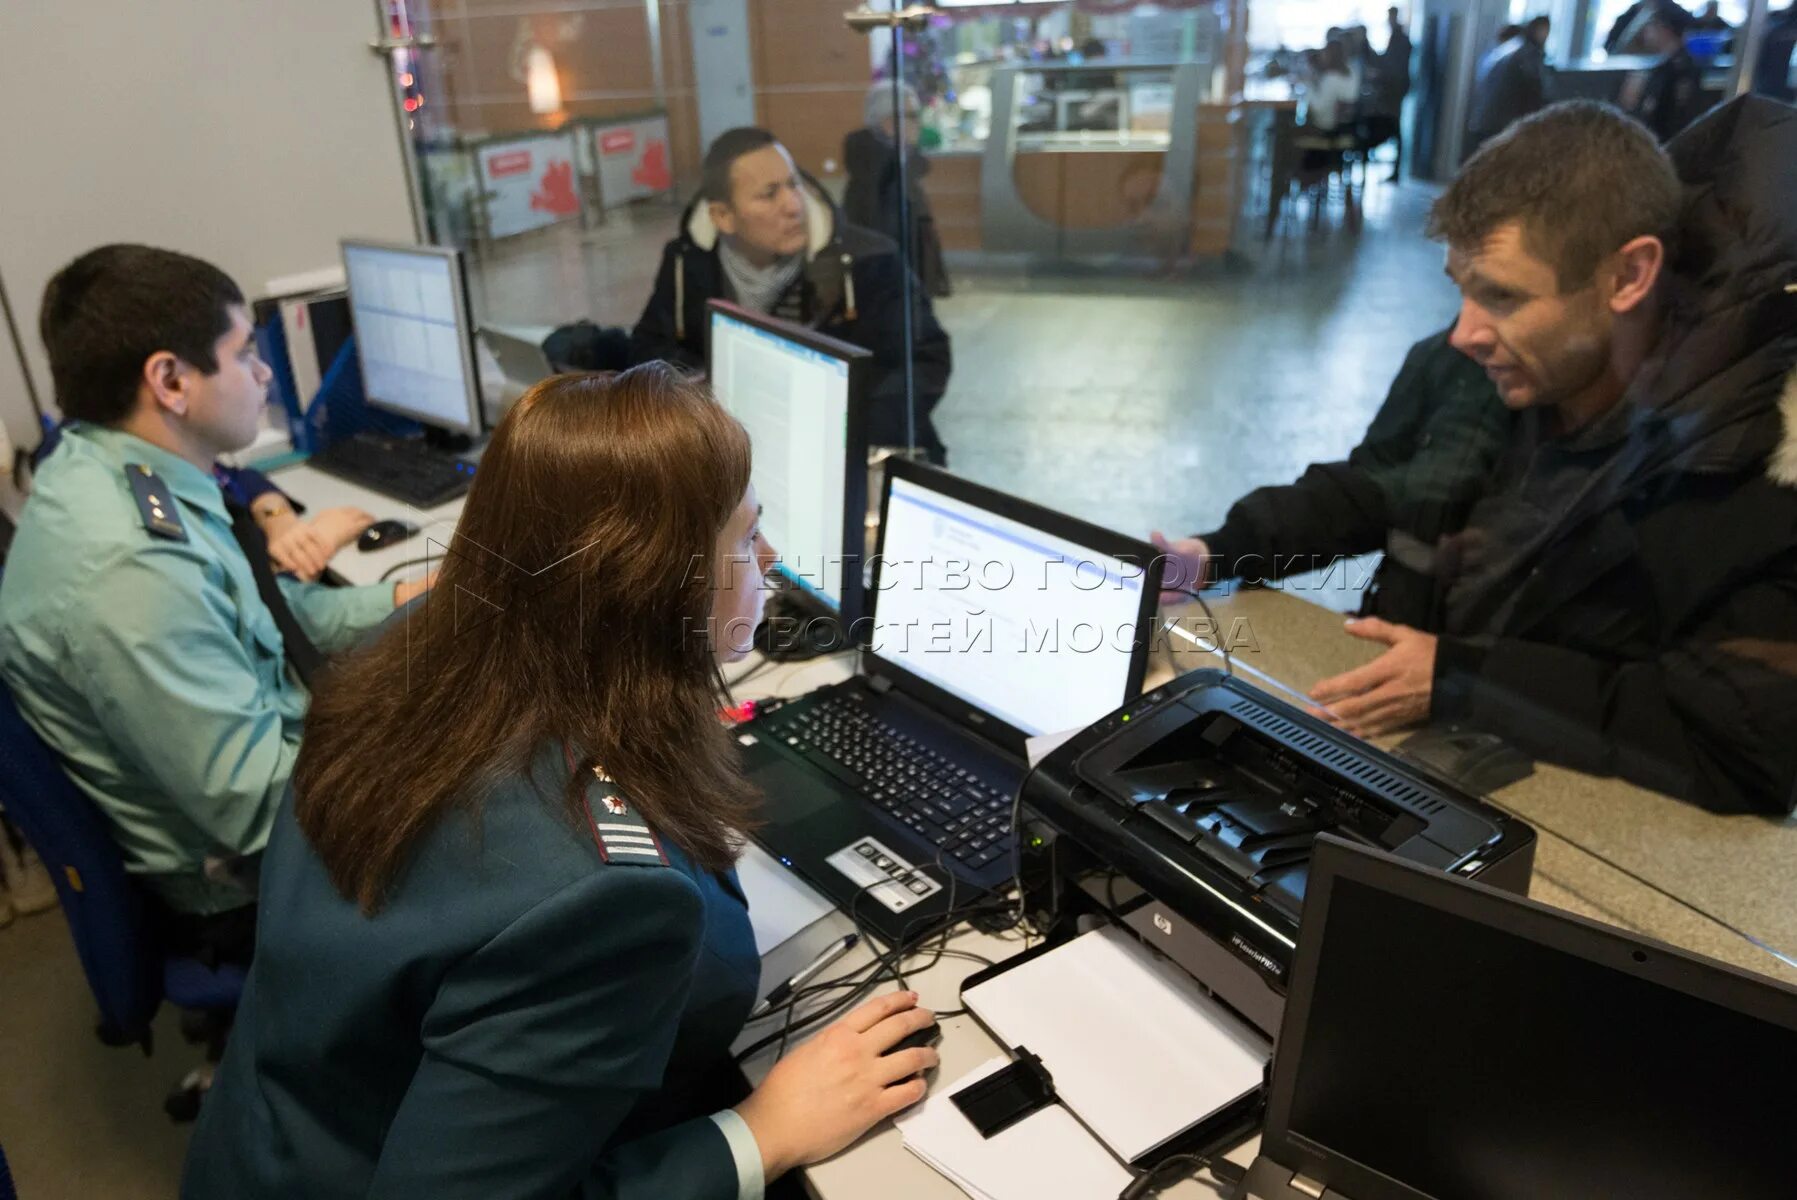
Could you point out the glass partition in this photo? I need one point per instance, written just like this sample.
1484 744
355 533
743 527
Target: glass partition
1176 253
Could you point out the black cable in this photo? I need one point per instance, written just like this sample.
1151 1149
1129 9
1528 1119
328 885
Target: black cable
410 562
881 967
1222 645
1155 1177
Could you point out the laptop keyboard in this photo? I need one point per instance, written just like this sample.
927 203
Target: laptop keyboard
948 806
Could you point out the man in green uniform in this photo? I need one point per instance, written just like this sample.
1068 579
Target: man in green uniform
142 631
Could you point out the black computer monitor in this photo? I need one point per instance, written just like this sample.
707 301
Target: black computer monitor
801 397
414 333
1443 1040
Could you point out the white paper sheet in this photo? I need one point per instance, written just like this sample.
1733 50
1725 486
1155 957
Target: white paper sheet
780 903
1134 1046
1040 747
1047 1154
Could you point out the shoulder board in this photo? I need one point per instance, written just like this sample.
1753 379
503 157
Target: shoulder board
154 503
623 837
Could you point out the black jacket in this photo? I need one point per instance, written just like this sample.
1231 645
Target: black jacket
1653 628
1411 481
1673 95
1511 83
850 289
872 201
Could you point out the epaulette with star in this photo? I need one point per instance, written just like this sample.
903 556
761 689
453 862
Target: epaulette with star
622 836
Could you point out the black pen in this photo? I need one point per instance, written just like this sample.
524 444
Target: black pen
782 992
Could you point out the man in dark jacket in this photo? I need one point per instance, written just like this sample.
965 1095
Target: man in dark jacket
870 156
764 235
1387 83
1412 480
1670 96
1511 83
1778 54
1623 598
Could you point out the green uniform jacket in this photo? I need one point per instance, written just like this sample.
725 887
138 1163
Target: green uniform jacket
150 664
526 1017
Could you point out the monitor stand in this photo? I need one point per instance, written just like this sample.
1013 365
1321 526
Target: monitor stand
793 631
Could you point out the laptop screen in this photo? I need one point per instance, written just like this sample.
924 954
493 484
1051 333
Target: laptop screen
1470 1062
1033 628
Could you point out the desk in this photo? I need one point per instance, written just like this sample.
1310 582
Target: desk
878 1167
1599 840
317 490
1595 832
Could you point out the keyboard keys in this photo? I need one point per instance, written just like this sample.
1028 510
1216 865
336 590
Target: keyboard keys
947 805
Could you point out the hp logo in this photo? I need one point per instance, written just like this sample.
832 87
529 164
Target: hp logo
1161 923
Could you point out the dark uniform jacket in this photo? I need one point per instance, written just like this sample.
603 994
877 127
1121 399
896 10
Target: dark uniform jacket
529 1016
850 289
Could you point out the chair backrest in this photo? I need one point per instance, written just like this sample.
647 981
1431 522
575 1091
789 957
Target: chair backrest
105 912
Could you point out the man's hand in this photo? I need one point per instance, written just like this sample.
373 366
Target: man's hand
1185 561
341 526
408 590
303 548
1388 693
299 550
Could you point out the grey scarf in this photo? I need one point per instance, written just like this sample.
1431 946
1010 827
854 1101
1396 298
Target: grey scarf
758 288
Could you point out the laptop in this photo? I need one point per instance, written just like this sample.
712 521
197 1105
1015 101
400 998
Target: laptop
989 620
1443 1040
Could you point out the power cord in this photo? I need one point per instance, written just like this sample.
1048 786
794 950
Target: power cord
891 963
1227 1175
1222 645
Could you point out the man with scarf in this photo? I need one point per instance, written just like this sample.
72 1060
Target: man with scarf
764 235
1622 595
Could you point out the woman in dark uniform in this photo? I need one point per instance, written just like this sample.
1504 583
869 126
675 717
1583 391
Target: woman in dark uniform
502 950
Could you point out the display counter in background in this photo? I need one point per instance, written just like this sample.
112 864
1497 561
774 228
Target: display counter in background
1167 177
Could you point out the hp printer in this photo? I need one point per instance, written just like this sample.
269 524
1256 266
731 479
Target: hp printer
1190 815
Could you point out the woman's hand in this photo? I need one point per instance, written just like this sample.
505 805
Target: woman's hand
841 1083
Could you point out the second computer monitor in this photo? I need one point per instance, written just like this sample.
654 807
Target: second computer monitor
414 334
800 396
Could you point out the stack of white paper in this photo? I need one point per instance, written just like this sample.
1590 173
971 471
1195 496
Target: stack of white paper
1135 1047
780 904
1046 1154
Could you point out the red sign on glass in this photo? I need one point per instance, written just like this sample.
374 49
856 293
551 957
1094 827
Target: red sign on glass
512 162
617 141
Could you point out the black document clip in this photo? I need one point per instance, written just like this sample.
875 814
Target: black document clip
1005 1097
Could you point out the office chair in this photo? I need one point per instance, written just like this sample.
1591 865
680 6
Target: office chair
127 973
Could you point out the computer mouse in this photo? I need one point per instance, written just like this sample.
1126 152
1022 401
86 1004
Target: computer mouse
929 1035
382 534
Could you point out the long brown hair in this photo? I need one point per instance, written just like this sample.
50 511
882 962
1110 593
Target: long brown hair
570 609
